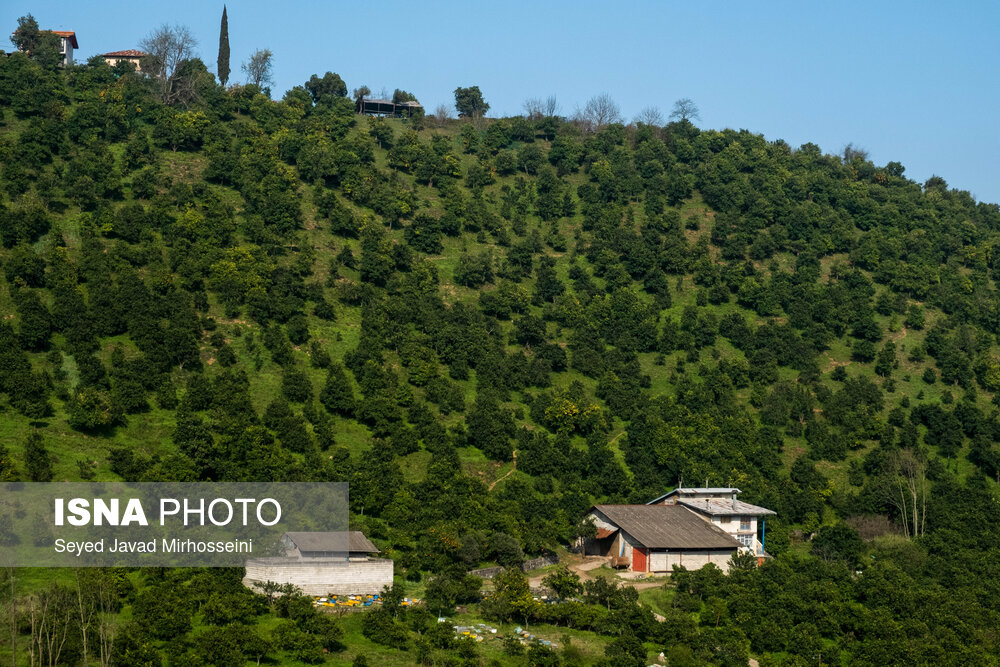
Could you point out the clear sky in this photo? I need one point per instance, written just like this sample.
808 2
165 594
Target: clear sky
915 82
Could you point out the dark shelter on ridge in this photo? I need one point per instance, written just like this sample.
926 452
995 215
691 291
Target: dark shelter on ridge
378 107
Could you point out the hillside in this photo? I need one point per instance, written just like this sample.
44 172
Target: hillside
238 289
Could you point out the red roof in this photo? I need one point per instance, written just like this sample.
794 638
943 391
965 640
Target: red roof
69 34
127 53
605 532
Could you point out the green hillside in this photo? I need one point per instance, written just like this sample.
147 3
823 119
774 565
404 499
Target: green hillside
232 288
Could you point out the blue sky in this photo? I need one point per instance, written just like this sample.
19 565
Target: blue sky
915 82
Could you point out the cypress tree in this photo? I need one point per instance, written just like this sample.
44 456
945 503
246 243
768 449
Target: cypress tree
223 63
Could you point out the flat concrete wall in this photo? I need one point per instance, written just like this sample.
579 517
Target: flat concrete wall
322 576
692 560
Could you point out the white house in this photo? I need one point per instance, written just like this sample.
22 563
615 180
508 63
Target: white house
67 43
720 507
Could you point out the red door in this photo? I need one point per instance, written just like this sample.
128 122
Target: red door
638 559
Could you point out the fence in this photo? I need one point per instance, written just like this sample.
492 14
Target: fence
533 564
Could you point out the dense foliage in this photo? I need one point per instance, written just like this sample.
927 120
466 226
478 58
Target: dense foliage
236 288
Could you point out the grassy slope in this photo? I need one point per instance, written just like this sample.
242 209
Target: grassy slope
150 432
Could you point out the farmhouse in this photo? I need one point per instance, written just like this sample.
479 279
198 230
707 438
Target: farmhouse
721 507
689 527
654 538
128 55
317 564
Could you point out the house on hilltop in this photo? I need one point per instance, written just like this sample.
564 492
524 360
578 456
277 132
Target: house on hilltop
67 43
128 55
324 563
689 527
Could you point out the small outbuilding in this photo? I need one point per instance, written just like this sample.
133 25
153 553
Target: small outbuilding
328 545
376 107
317 564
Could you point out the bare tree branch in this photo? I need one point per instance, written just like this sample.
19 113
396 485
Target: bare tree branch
650 116
167 48
685 109
601 110
258 68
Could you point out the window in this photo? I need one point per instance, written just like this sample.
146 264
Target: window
744 524
745 540
725 519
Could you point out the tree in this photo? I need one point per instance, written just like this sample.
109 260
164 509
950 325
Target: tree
167 49
40 45
533 108
566 584
258 68
685 110
838 542
37 461
907 491
650 116
511 597
470 103
222 65
601 110
361 93
330 86
400 96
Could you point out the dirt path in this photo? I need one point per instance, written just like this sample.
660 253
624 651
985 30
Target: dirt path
582 567
506 474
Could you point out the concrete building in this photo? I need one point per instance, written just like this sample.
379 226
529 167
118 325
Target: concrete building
687 526
654 538
720 506
67 43
317 564
128 55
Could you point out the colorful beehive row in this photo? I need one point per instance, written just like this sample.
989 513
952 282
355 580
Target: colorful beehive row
476 632
524 634
346 601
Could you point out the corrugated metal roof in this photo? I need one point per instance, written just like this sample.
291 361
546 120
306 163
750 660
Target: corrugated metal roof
331 541
667 527
605 532
698 490
723 507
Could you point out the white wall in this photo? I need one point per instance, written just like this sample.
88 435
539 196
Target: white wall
321 576
664 561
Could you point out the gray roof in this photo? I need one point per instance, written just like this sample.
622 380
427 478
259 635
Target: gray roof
332 541
667 527
698 490
723 507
